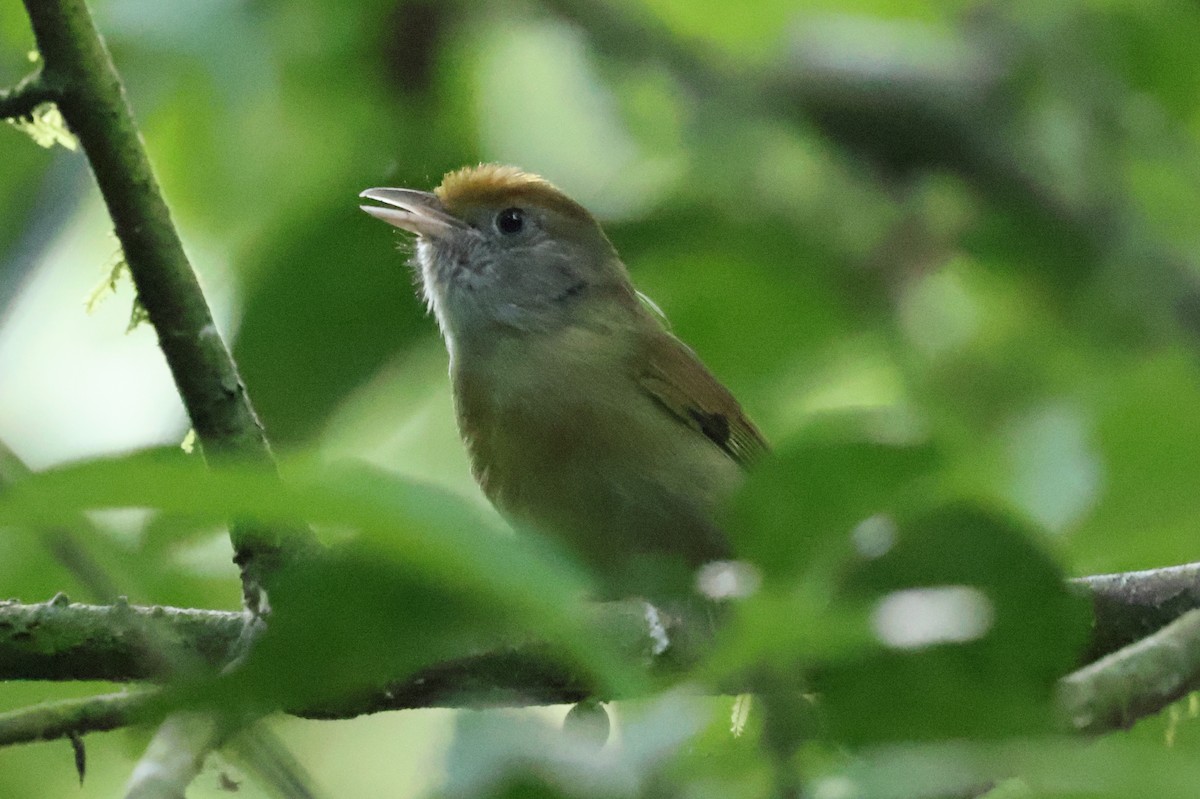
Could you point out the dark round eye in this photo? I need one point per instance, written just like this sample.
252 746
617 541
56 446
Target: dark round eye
510 221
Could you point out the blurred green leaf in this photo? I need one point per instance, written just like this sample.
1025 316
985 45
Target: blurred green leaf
801 505
429 533
358 618
1051 768
1011 316
977 626
1148 509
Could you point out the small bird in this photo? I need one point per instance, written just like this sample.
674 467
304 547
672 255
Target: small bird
584 418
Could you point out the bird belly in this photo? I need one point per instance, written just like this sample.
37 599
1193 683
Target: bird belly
627 487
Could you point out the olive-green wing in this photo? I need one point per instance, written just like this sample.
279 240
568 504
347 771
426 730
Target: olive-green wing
673 375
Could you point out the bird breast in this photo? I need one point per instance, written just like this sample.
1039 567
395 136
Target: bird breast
562 438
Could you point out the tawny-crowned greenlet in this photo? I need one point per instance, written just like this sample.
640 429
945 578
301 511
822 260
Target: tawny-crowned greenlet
583 417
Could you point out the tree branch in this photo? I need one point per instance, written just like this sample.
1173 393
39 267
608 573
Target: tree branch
57 640
1128 606
60 641
53 720
93 102
510 677
175 756
177 753
28 94
1137 681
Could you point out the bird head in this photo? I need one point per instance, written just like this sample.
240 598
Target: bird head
501 250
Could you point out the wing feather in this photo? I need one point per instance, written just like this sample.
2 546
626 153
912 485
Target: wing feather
674 377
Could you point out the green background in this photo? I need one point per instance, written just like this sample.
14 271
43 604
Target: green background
943 253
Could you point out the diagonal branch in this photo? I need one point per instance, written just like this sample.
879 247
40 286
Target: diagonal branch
175 756
93 102
1136 681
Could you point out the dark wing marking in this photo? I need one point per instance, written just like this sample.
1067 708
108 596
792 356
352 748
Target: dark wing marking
677 380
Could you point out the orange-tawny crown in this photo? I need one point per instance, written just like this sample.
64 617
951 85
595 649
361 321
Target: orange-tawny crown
497 184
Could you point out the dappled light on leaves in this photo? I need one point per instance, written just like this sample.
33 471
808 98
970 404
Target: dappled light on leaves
963 599
919 617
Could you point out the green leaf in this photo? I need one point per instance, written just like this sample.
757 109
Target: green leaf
1114 767
431 537
801 506
976 625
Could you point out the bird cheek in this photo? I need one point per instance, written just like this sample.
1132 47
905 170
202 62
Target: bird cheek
443 267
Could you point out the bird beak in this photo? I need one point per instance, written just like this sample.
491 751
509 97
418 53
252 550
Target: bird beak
415 211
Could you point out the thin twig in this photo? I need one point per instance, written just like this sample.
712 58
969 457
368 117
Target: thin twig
28 94
175 756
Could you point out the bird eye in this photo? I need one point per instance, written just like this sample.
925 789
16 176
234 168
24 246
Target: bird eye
510 221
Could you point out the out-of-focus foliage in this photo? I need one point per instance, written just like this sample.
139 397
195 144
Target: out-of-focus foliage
966 318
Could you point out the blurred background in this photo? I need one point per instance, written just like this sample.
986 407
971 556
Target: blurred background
965 223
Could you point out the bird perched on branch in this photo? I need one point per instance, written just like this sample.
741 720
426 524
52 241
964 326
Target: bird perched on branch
583 417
